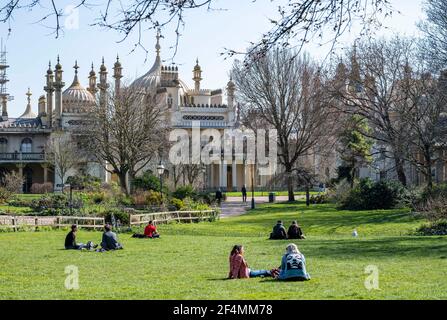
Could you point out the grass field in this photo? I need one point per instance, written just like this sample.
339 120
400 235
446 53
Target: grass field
190 261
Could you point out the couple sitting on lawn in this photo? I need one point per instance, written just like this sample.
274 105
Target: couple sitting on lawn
293 266
149 232
109 240
279 231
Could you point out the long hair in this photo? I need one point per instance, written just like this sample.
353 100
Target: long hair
292 248
237 249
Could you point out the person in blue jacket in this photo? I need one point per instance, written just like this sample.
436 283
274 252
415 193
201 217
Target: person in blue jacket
293 265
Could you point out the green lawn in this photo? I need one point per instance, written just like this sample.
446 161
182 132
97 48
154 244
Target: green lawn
190 261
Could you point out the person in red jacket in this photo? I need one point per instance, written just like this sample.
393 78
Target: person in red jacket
151 231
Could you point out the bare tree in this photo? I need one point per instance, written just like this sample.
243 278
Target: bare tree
191 172
286 92
63 153
126 132
299 21
424 112
434 47
372 90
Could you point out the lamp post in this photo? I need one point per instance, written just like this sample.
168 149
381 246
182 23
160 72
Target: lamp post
253 188
161 170
204 177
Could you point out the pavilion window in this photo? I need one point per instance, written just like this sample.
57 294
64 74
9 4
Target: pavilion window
26 146
3 145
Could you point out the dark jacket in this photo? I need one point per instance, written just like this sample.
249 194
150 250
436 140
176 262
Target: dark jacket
244 191
294 232
110 241
279 232
70 240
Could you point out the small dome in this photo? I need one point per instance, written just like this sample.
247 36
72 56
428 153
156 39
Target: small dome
28 114
76 98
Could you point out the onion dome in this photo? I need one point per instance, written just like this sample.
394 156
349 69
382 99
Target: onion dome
28 114
92 71
58 65
77 99
153 77
49 71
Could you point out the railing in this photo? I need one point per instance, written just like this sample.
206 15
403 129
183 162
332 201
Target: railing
19 156
179 216
15 222
203 124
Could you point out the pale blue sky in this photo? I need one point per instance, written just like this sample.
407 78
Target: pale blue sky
30 46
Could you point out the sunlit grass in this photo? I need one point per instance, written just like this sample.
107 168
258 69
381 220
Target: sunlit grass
190 261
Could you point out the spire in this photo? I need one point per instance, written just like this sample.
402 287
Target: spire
157 46
103 67
49 71
92 72
29 94
28 114
197 72
76 80
58 65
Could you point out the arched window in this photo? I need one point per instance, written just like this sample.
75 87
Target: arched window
3 145
170 100
27 145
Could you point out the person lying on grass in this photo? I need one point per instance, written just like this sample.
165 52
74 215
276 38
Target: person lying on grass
70 241
295 231
239 268
109 240
149 232
293 265
279 232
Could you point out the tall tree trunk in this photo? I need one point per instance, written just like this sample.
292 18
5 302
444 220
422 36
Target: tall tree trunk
400 170
427 156
123 182
290 184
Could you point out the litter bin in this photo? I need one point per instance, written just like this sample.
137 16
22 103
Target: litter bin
272 197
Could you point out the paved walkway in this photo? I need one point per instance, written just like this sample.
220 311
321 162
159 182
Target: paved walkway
235 207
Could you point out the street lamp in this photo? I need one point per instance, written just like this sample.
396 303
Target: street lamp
253 188
204 177
161 170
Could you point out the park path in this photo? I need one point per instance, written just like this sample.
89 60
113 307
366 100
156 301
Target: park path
235 207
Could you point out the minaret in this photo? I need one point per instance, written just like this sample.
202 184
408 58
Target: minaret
92 82
117 74
103 85
49 89
231 88
197 75
4 96
58 85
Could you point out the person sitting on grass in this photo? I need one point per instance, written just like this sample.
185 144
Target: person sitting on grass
293 265
279 232
109 240
70 241
149 232
239 268
295 231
